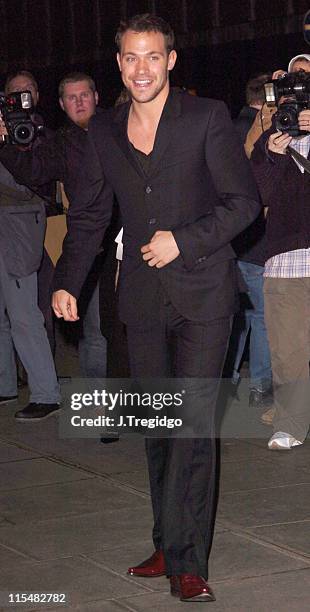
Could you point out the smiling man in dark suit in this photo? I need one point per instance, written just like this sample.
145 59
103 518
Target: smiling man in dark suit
185 190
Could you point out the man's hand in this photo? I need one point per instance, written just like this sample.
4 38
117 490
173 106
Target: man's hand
278 143
64 305
304 120
161 250
278 73
3 130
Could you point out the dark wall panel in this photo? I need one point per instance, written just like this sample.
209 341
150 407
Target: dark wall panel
238 11
221 43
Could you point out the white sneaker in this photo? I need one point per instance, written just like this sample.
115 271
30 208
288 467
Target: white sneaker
282 441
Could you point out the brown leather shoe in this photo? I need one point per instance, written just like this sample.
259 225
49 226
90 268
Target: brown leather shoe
150 568
191 588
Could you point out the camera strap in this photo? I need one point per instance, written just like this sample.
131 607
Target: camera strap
305 163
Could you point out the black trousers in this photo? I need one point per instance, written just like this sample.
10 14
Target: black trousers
182 471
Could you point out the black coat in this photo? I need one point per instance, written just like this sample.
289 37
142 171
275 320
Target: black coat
199 186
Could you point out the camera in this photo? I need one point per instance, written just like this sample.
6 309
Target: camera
293 90
16 109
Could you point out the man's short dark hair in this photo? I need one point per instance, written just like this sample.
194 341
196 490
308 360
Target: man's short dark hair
146 23
254 91
24 73
75 77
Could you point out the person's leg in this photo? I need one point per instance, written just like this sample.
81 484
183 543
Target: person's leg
45 281
287 319
190 474
8 374
29 336
259 362
252 319
149 358
92 344
241 328
183 471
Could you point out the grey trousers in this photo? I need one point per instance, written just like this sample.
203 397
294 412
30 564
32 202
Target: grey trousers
22 327
287 318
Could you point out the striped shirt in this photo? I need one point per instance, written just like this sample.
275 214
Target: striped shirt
293 264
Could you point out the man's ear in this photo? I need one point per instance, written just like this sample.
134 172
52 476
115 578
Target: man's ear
118 57
61 103
172 58
96 97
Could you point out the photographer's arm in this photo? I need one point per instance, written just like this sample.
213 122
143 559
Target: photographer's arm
270 164
33 166
261 124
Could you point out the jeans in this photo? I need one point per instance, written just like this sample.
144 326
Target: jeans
92 344
252 318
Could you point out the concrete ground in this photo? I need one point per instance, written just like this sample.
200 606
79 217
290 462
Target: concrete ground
74 514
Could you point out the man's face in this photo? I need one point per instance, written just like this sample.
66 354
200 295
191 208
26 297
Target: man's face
79 102
23 83
301 64
145 63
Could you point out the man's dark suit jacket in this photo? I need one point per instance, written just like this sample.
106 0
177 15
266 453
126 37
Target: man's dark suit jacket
199 186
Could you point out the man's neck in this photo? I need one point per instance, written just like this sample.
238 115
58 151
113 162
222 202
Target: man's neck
149 112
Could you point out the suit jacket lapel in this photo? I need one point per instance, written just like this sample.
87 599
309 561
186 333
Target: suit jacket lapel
120 134
171 110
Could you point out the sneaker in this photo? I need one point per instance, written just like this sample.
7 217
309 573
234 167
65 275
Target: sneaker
37 412
5 399
260 399
282 441
268 416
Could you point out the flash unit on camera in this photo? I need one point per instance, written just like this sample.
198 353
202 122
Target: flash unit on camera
26 99
270 94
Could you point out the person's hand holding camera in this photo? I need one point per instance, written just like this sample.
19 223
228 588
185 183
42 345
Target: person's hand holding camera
3 130
278 74
304 120
278 142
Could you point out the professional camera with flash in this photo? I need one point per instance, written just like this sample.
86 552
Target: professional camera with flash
291 94
16 109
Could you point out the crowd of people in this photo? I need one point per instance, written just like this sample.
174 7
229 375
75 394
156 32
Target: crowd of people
183 203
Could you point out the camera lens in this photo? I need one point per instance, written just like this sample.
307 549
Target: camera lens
24 133
285 119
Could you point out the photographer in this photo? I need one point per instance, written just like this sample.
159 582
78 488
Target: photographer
22 231
285 188
61 158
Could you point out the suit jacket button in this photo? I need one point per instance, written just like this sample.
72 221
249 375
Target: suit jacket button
148 189
152 221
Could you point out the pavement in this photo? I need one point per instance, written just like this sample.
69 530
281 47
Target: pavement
75 513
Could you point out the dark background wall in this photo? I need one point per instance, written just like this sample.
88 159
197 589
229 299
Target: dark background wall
221 43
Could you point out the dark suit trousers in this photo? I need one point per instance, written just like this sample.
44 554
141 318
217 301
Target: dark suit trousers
182 471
